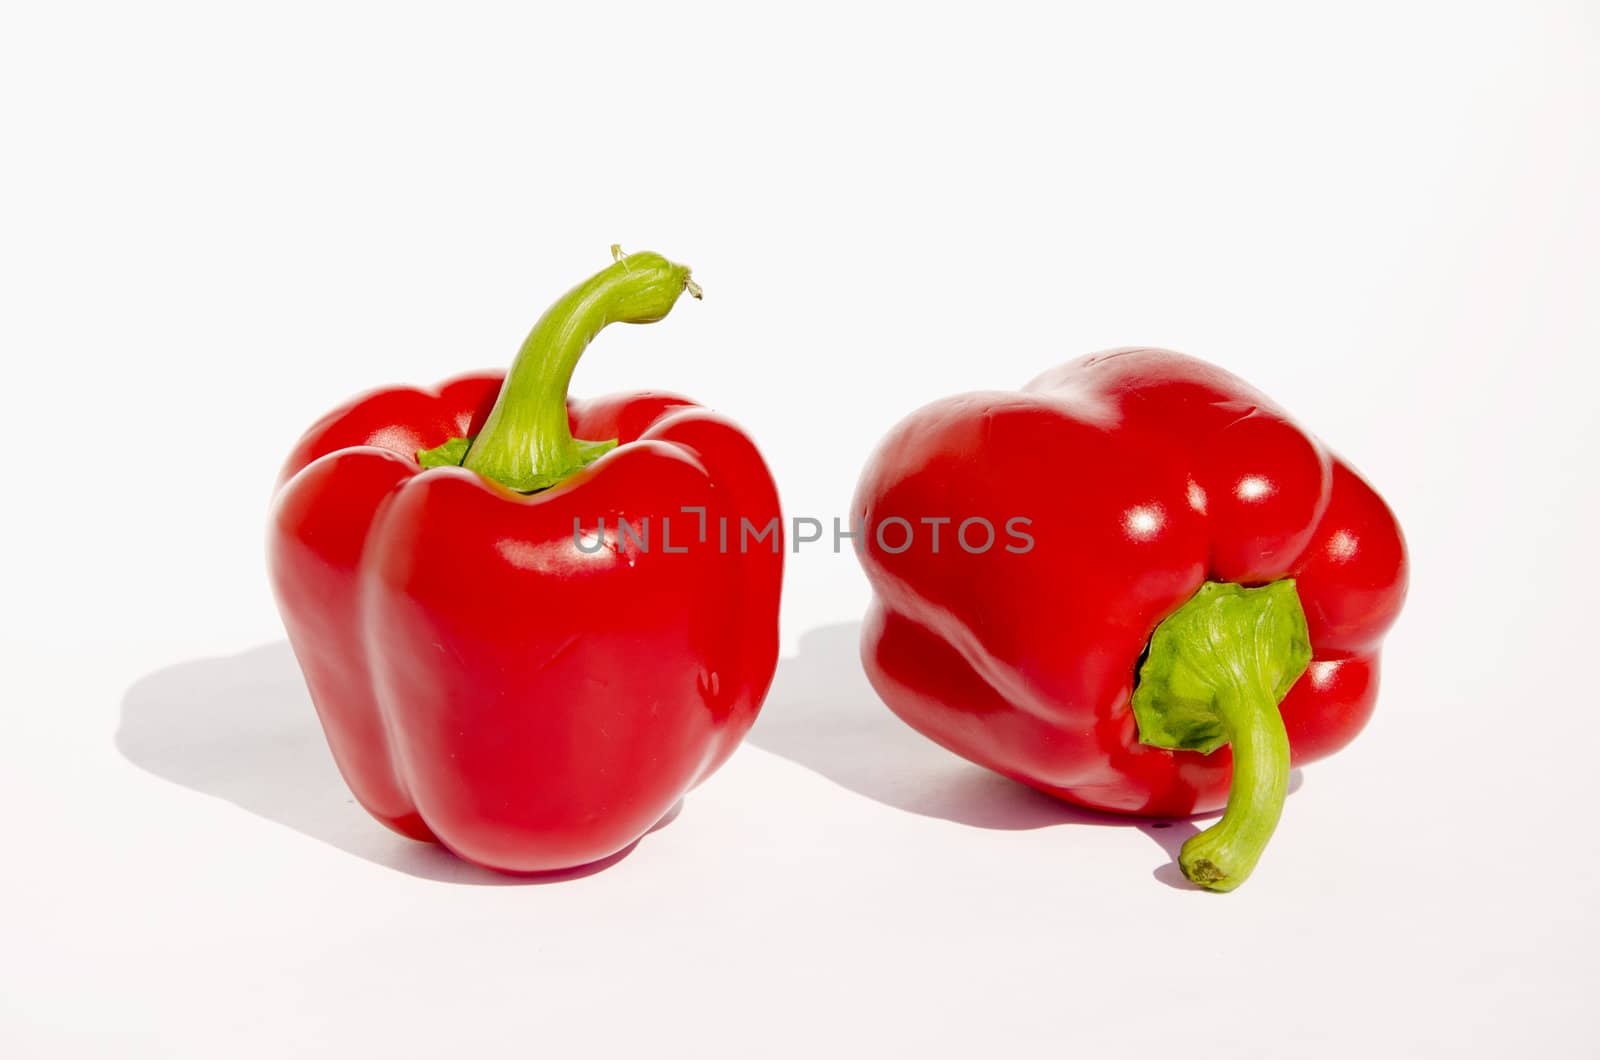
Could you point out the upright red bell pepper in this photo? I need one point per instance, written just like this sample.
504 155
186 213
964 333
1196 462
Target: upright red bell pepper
497 663
1190 597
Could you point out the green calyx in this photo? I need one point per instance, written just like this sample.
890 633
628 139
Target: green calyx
1215 672
526 443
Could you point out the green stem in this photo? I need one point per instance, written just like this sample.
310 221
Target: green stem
1224 854
526 442
1216 671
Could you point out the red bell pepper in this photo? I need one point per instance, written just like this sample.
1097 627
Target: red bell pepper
1186 569
497 663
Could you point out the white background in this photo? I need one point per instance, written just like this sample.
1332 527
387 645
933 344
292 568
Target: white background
219 221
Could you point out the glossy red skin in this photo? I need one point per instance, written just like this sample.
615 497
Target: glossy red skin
484 683
1146 473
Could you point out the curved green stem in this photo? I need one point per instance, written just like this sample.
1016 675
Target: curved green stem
1216 671
526 442
1223 855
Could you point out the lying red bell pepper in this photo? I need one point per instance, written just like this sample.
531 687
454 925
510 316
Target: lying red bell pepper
497 663
1189 601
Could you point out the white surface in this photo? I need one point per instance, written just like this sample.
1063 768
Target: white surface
218 223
